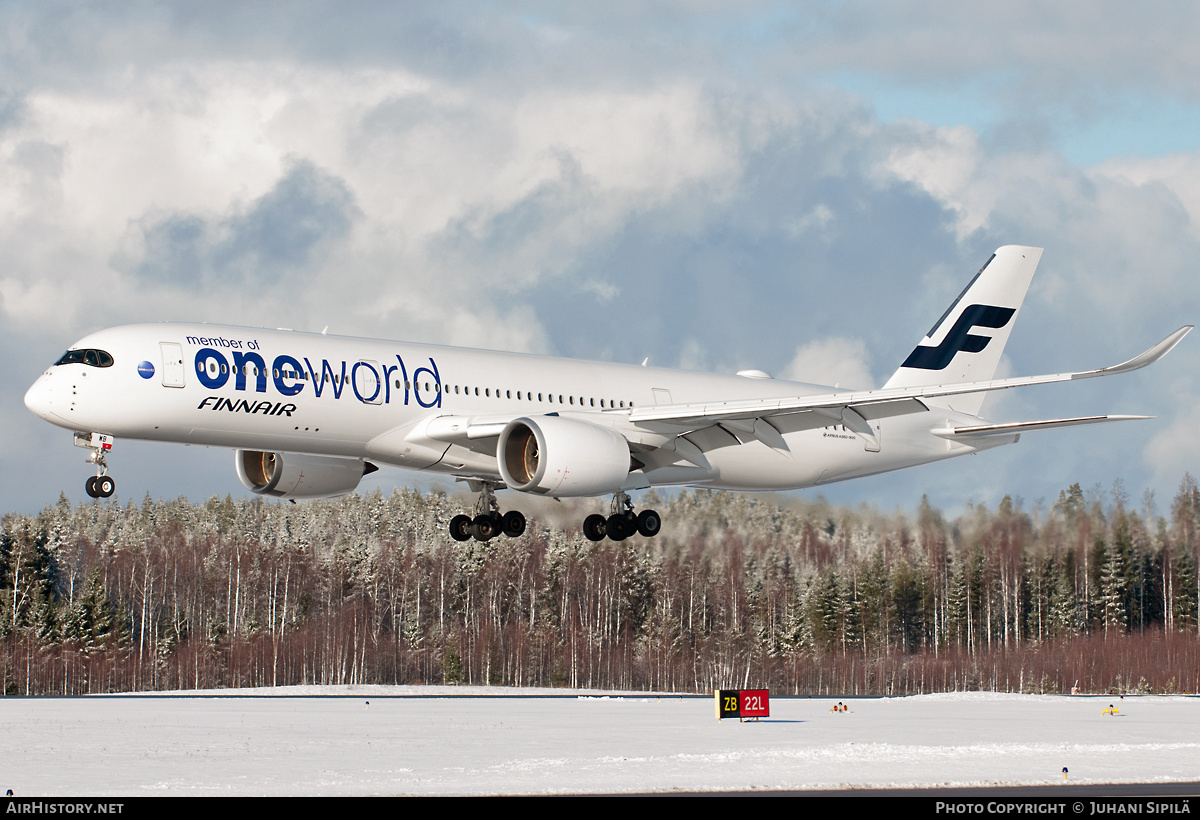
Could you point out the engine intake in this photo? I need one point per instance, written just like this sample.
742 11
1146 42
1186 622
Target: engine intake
291 475
562 457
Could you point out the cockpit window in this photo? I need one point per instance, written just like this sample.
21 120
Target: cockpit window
93 357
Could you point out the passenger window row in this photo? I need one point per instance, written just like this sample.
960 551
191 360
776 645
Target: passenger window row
520 395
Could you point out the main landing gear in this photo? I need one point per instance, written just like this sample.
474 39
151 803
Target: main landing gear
622 522
488 521
101 485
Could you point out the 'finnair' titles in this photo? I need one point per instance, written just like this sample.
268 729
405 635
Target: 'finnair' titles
308 415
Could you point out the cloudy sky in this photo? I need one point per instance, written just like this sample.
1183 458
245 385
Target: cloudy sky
800 188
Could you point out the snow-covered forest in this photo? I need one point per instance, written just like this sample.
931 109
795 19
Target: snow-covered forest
1091 591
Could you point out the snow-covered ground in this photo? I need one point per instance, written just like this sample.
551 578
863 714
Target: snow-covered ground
309 743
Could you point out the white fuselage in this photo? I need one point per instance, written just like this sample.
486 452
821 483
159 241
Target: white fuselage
391 402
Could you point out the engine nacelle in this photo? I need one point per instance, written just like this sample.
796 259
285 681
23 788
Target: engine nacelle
562 457
290 475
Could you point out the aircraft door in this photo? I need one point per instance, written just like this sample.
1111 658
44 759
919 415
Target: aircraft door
367 385
172 361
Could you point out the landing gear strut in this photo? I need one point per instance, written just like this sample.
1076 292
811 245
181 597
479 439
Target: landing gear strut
488 521
622 521
101 485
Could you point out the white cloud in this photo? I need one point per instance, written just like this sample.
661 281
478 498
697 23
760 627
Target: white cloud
638 188
1175 450
694 356
1033 53
945 162
814 222
832 361
453 183
1174 446
1177 173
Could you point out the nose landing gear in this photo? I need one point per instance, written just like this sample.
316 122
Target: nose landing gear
101 485
488 521
622 522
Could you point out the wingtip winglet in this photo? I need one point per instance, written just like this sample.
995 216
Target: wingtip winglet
1168 344
1147 358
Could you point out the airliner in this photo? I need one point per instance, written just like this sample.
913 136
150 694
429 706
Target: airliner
309 414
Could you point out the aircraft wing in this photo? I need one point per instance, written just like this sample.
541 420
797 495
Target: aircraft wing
873 404
767 420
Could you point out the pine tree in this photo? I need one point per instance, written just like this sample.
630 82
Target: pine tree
1113 589
1185 518
825 607
27 574
1070 502
90 621
1065 618
909 596
1184 603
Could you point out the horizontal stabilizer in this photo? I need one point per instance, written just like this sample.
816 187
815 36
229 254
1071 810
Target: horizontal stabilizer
980 431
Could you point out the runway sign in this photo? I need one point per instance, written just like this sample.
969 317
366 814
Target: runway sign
742 703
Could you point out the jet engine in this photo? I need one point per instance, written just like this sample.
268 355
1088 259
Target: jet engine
562 457
290 475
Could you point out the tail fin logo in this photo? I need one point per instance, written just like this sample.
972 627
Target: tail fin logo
937 357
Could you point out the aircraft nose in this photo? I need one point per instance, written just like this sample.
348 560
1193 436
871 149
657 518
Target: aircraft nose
39 398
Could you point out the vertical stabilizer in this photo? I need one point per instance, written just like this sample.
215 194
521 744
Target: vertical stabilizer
966 343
